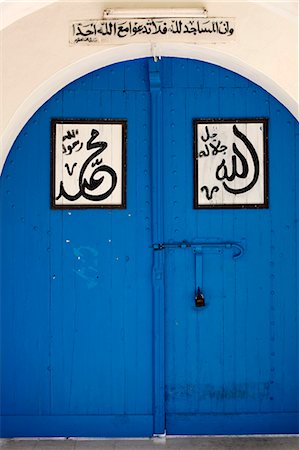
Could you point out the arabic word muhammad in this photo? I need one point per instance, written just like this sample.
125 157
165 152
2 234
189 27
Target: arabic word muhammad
88 164
152 30
230 163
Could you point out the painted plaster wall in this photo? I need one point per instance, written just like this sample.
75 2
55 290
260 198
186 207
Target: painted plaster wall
35 52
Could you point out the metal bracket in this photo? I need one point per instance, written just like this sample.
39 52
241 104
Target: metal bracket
154 53
157 246
198 246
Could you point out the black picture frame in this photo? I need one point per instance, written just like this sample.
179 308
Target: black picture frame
265 122
100 121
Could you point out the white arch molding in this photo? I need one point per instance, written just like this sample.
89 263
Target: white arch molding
130 52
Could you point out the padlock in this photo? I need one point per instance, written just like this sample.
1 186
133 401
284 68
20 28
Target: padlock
199 298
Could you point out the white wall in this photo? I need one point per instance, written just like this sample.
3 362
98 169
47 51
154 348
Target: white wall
37 59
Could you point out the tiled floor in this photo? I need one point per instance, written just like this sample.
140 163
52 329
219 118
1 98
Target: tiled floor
180 443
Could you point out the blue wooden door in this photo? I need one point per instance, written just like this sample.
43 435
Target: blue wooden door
230 366
77 315
100 332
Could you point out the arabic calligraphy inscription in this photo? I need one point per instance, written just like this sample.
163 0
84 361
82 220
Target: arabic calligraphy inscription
212 30
230 163
88 164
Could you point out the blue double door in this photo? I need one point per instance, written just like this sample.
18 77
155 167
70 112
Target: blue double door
101 332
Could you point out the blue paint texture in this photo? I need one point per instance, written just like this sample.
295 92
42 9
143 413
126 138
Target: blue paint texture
84 348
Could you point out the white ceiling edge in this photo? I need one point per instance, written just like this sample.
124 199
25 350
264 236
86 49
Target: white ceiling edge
14 10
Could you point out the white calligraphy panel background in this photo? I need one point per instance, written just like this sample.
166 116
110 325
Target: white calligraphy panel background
230 163
88 163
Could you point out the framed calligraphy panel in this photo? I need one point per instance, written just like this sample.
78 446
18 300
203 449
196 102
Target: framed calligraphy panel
88 163
230 163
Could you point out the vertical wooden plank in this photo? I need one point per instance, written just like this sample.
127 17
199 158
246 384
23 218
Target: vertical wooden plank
195 74
157 237
136 75
211 75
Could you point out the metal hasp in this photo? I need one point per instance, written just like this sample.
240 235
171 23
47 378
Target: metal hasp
197 246
199 253
198 249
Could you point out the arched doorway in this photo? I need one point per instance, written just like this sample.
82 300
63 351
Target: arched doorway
101 332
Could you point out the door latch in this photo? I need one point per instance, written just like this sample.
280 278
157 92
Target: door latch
199 298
